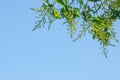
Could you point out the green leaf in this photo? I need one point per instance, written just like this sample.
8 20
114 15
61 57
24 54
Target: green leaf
60 2
81 2
56 14
65 2
76 12
93 0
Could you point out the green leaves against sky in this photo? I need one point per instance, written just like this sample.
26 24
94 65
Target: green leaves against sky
95 17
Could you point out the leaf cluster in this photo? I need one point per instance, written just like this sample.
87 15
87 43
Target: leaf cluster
93 16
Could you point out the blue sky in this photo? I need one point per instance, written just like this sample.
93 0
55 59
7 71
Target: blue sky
49 55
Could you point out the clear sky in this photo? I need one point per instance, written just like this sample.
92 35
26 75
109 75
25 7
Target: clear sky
49 55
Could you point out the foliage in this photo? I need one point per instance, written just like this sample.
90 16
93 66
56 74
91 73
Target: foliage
93 16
